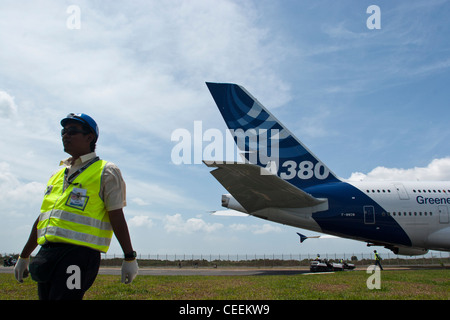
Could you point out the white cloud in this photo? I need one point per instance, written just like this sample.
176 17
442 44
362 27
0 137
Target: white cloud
256 229
149 193
316 125
143 62
8 108
438 169
141 221
18 198
139 201
177 224
340 31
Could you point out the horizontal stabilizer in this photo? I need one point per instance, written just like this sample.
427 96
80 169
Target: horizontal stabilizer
303 237
255 188
229 213
326 236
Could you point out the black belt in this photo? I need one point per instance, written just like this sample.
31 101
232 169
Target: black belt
56 245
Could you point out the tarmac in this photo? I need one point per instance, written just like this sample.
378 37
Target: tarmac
207 271
213 271
194 271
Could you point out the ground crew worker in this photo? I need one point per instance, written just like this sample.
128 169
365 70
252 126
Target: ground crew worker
377 259
82 208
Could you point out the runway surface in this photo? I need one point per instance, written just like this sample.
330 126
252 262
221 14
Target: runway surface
195 271
207 271
213 271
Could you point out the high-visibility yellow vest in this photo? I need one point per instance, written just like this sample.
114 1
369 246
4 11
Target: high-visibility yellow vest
76 215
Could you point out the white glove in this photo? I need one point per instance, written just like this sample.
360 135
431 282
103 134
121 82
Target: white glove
129 271
21 269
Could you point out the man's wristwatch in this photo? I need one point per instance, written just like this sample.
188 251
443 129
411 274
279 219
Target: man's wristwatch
130 256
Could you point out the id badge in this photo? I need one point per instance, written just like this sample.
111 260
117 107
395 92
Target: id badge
77 199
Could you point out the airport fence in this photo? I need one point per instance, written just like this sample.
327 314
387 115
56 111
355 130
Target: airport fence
276 260
435 258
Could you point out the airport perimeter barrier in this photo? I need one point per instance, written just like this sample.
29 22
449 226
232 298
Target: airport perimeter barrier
435 258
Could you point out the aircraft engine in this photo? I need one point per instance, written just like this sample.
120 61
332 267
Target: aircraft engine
408 251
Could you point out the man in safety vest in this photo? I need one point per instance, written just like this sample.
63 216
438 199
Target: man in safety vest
82 208
377 259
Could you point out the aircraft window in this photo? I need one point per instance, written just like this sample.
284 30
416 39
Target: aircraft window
434 191
420 213
410 214
418 191
414 190
415 213
389 190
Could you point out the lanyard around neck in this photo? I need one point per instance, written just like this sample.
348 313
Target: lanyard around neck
76 173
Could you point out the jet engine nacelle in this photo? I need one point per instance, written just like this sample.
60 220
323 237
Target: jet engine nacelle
408 251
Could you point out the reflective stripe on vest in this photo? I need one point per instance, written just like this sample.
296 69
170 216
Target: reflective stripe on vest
76 215
73 217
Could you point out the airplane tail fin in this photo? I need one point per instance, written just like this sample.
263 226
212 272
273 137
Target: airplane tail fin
265 141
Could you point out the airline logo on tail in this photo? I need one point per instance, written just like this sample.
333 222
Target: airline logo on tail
264 141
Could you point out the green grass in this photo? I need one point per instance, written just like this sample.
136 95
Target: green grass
395 284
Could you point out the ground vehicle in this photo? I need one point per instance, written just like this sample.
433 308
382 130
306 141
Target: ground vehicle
10 262
348 266
326 266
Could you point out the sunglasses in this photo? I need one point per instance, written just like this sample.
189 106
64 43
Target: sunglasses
71 131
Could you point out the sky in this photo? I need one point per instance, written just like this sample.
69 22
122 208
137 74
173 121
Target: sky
371 103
